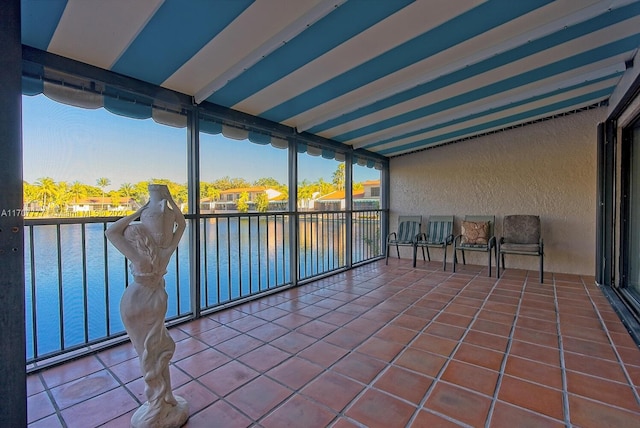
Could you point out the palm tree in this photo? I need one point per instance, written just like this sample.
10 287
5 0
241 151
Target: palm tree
78 190
103 182
46 190
338 177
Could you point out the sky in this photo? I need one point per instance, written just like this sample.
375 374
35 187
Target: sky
75 144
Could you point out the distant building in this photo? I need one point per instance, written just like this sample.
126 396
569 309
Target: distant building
367 198
227 201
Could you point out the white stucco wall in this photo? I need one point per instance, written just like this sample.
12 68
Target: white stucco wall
547 169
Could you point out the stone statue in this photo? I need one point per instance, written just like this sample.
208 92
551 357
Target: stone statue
148 245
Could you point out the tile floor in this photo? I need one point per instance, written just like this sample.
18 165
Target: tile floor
379 346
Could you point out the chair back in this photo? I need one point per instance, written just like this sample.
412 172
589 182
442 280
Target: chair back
408 227
521 229
439 227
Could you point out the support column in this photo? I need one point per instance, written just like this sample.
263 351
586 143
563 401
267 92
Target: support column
13 389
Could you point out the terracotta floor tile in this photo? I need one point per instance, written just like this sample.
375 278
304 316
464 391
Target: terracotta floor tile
202 362
258 397
222 413
396 334
127 371
461 321
38 406
533 371
317 329
435 344
238 345
530 351
337 318
507 416
199 326
186 348
403 384
379 348
298 411
198 397
52 421
216 335
531 396
449 400
605 391
492 327
228 377
536 337
375 408
271 313
479 356
99 410
268 332
359 367
543 326
472 377
587 413
264 358
295 372
246 323
422 362
118 354
425 419
293 342
345 338
332 390
498 317
73 392
364 326
444 330
410 322
323 353
379 315
629 355
587 347
605 369
486 340
72 370
34 384
580 332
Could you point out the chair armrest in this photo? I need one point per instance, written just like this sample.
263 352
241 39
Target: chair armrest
492 242
390 235
456 240
449 239
416 238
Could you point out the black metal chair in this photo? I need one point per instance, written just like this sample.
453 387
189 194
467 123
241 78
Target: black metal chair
408 231
477 235
439 234
522 235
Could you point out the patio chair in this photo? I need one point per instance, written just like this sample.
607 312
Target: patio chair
408 231
521 234
477 235
439 234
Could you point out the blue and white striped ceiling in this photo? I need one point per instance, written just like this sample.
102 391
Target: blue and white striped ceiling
389 76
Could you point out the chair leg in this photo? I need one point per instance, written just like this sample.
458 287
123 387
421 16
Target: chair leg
415 254
398 250
455 259
386 259
489 262
444 261
428 255
464 262
498 265
541 268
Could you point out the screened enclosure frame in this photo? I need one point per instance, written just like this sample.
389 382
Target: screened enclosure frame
81 85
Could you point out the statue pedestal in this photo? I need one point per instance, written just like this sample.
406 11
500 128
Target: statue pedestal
168 416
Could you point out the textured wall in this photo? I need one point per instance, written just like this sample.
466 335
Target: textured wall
547 169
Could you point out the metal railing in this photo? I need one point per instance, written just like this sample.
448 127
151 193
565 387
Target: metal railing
74 278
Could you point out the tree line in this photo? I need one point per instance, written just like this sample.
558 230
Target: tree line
56 197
